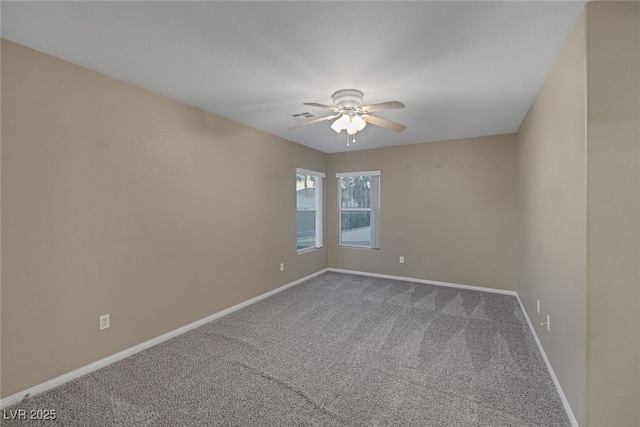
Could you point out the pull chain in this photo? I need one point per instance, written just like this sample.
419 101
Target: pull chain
351 139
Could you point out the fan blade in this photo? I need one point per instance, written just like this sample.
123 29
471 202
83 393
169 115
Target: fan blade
391 105
326 107
384 123
311 122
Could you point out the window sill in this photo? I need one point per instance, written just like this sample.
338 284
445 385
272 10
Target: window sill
306 250
359 247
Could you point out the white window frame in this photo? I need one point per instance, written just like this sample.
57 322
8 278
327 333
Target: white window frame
318 201
374 209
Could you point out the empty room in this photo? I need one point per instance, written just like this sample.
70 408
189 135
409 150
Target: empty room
287 213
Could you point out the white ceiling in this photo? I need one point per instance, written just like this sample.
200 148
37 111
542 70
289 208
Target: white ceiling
462 69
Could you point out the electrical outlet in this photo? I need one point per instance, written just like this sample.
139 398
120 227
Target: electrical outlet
282 266
547 323
105 322
401 260
538 306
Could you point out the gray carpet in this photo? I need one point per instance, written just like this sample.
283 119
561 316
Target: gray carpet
337 350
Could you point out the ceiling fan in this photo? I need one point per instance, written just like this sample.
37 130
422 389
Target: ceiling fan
351 116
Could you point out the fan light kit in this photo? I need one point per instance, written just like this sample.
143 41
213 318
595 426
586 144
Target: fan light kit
351 117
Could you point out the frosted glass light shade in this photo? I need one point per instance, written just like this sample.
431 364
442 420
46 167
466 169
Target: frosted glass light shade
358 122
341 123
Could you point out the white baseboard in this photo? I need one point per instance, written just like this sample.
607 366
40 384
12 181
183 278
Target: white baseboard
428 282
565 402
55 382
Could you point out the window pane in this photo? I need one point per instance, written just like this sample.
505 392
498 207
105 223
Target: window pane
306 211
359 208
306 229
355 228
355 192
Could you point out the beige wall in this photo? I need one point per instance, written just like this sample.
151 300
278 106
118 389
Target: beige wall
116 200
613 214
579 214
447 207
552 216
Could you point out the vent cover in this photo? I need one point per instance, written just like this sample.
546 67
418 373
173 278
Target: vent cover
303 117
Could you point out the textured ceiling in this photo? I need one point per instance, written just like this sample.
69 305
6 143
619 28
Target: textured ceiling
463 69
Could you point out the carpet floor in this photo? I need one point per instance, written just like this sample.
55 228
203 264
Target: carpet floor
336 350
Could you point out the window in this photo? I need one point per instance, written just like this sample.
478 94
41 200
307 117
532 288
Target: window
359 208
308 209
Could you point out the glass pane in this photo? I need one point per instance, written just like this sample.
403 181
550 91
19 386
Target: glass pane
355 228
355 192
306 211
306 229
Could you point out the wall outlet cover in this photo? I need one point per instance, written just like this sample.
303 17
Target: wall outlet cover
548 323
105 321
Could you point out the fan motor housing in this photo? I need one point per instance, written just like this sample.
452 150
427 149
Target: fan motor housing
347 98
